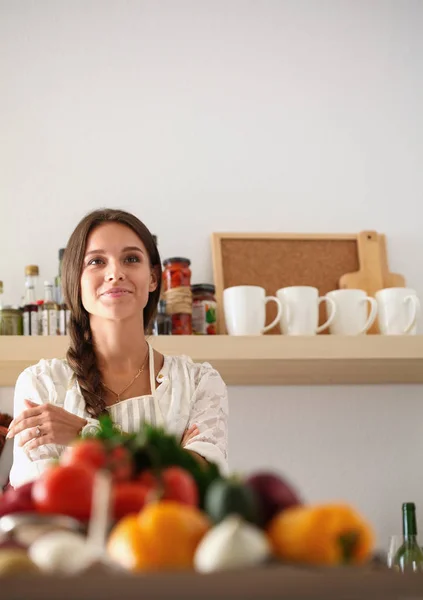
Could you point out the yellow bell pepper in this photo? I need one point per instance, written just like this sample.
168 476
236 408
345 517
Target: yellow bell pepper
327 534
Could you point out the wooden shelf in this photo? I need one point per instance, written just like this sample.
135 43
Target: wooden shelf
263 360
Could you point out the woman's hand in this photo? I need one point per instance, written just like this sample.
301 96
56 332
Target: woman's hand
189 434
42 424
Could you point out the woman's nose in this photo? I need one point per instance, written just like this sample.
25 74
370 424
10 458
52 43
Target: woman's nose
114 272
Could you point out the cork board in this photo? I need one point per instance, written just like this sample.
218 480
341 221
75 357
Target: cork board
273 261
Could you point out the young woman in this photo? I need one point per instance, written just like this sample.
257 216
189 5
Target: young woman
111 282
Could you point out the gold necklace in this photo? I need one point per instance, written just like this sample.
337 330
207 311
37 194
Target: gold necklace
140 370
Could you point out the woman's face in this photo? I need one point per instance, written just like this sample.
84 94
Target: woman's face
116 275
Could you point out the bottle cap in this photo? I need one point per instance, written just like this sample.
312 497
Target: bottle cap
48 284
32 270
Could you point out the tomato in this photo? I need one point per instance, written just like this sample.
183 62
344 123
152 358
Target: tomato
120 463
86 452
94 453
129 497
65 490
179 485
174 483
149 480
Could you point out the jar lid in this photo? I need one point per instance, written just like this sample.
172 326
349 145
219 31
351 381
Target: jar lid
31 270
176 259
203 287
10 308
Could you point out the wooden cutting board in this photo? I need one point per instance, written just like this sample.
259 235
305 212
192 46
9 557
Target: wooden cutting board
370 275
374 273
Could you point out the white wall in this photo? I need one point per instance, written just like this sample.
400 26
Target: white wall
231 115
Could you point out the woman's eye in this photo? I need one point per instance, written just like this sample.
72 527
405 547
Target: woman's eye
95 261
132 259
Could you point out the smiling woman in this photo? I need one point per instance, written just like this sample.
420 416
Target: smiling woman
111 282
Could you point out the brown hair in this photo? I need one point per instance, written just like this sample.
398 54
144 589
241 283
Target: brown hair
81 356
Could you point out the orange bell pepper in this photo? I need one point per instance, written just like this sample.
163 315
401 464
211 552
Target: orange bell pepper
125 545
164 535
328 534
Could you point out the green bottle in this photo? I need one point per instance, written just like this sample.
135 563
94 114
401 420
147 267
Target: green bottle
409 556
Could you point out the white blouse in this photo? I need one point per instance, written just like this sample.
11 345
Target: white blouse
189 394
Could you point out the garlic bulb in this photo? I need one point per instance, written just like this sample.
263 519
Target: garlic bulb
62 552
232 544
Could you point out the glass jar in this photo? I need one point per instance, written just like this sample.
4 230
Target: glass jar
176 273
203 309
181 324
177 294
11 322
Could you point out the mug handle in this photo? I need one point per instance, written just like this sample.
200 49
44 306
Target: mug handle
332 305
278 316
415 303
372 316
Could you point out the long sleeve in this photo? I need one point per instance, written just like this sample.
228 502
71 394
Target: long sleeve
49 381
28 466
209 411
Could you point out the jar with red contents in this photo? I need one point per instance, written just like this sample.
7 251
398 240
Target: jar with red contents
177 294
203 309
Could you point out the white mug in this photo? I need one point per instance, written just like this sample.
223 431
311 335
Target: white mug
245 310
398 310
300 310
351 312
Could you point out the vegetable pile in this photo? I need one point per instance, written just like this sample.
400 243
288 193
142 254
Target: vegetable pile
169 511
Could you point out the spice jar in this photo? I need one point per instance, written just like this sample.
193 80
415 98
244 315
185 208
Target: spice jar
177 294
11 322
203 309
